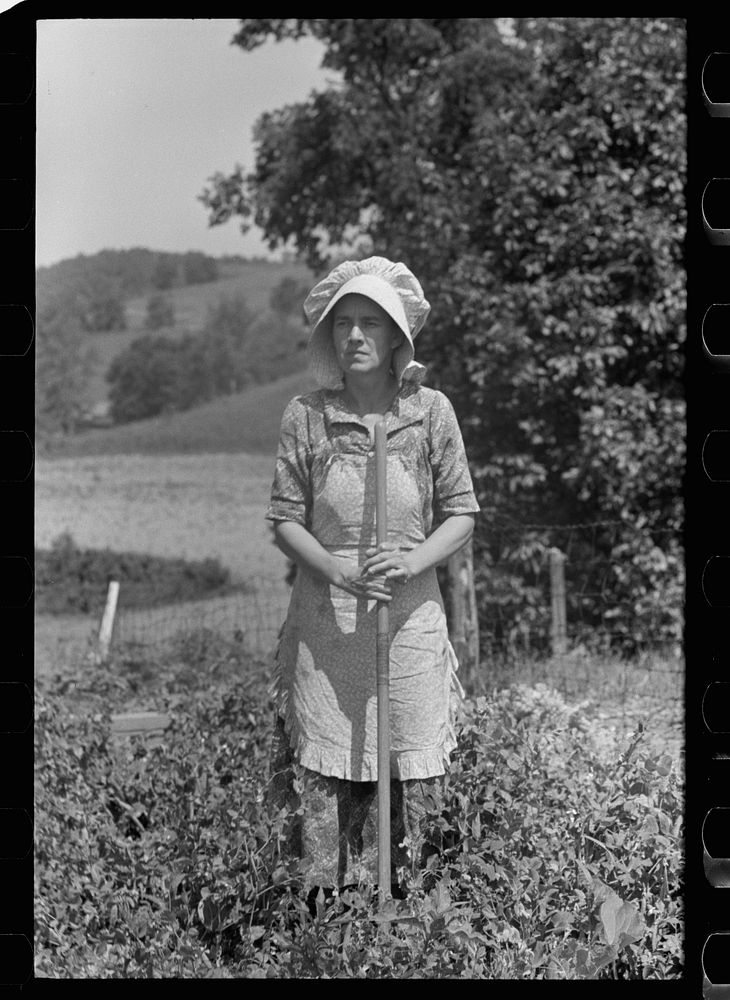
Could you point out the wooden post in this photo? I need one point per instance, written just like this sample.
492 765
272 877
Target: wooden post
107 621
463 614
558 633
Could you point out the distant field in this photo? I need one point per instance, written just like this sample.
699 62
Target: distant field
192 506
253 280
246 422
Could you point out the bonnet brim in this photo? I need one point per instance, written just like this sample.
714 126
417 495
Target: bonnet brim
392 286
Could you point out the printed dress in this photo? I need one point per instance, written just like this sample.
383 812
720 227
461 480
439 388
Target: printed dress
325 682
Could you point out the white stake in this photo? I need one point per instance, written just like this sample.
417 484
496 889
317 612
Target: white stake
107 621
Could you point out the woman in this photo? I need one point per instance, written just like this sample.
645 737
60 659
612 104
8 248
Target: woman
364 317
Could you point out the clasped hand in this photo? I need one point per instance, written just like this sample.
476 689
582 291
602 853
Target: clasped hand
384 566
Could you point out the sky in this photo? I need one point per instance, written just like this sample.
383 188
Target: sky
135 114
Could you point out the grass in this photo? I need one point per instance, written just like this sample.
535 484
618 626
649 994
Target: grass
190 506
245 422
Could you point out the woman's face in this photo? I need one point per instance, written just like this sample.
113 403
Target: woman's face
364 335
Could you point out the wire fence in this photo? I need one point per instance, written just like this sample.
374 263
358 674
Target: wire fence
556 621
604 585
646 689
253 616
541 590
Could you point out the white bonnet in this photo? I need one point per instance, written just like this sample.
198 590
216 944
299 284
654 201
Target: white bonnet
392 286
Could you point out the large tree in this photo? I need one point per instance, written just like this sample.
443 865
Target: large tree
531 173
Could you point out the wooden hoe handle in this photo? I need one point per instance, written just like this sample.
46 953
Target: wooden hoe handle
382 663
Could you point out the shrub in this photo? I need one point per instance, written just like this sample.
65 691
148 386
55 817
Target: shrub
198 268
287 297
160 312
70 579
146 378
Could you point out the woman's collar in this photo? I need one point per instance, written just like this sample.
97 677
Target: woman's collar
404 409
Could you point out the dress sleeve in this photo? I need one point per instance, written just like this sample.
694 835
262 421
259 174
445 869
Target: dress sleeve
291 492
453 492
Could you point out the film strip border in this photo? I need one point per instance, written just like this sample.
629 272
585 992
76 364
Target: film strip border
707 935
17 300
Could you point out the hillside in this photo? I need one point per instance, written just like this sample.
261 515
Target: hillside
254 280
245 422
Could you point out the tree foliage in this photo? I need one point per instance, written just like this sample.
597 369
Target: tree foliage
74 580
101 283
531 174
287 297
63 365
147 378
235 349
198 268
160 312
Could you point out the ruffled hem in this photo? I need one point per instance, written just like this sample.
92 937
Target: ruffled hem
334 762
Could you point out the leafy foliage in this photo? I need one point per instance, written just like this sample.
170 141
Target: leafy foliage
235 349
557 854
160 312
165 272
287 297
153 375
69 579
197 268
64 360
616 577
117 275
531 174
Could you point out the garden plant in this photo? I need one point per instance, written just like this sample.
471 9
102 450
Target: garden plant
557 855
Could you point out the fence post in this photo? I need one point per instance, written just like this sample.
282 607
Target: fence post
558 632
107 620
463 613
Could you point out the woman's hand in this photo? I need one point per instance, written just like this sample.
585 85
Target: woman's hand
303 548
348 576
389 561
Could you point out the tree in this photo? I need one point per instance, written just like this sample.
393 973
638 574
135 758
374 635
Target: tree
160 312
275 348
159 374
144 380
287 297
198 268
64 360
532 176
165 273
104 312
225 336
